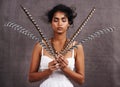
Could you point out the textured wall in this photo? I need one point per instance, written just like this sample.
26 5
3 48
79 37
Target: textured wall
102 62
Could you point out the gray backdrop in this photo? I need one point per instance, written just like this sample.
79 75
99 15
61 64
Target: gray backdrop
102 62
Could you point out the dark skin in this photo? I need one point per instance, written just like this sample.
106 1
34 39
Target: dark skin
59 25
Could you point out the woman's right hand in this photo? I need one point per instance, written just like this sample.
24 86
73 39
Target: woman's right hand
53 65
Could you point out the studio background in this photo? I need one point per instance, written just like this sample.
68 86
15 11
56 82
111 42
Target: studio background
102 57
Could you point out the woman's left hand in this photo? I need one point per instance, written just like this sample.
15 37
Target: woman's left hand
63 63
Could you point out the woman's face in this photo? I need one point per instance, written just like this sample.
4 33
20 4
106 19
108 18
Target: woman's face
60 22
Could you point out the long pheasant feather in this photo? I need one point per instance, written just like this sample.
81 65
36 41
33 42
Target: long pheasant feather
37 27
78 30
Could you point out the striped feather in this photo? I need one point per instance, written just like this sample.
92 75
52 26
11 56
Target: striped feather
24 31
79 29
37 27
91 37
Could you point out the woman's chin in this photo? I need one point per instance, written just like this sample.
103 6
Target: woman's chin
59 32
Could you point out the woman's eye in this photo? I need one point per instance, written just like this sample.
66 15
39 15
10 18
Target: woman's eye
55 20
64 19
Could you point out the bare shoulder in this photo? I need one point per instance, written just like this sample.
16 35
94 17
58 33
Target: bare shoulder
79 50
79 46
37 47
37 44
35 57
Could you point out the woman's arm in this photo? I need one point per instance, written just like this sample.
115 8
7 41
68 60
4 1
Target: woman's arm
34 75
77 75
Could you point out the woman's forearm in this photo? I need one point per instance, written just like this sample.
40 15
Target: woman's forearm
36 76
79 78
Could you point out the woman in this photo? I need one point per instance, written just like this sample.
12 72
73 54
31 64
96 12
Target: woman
60 70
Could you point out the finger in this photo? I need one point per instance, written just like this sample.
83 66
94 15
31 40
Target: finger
54 67
63 65
54 62
63 61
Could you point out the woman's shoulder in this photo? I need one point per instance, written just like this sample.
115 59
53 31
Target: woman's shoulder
78 46
37 46
79 51
75 43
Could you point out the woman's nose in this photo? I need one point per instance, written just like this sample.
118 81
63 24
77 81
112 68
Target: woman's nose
59 23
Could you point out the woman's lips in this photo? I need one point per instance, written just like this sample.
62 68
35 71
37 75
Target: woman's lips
59 28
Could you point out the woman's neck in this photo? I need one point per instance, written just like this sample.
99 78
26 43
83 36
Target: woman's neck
59 37
58 42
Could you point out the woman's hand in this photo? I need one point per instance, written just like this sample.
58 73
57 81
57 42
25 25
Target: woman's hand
63 63
53 65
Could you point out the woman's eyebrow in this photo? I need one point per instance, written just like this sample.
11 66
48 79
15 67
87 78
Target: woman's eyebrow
59 18
56 17
64 17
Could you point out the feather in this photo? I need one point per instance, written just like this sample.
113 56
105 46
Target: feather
24 31
91 37
78 30
37 27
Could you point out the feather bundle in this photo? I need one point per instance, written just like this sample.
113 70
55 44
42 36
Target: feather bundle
47 46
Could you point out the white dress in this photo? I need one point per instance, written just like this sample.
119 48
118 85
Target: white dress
57 78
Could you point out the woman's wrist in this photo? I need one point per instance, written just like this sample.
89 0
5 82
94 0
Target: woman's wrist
64 68
49 71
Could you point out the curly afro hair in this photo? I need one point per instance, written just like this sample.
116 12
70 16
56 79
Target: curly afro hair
69 12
